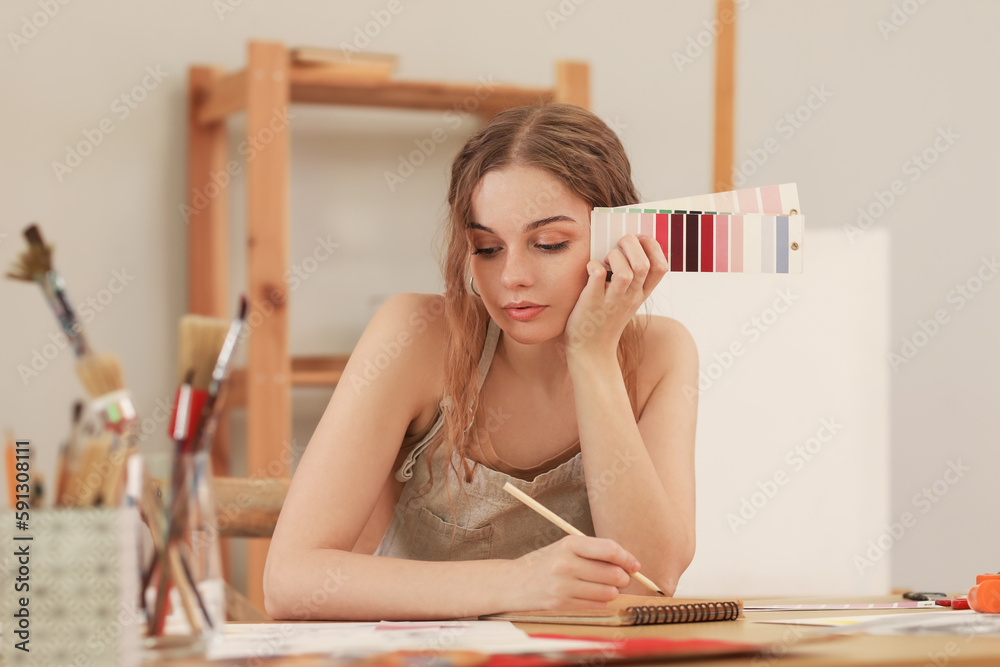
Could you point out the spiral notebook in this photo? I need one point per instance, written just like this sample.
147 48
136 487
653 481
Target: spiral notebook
633 610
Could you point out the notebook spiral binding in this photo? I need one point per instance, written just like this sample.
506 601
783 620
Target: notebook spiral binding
685 613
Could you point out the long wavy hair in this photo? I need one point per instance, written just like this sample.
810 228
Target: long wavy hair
586 156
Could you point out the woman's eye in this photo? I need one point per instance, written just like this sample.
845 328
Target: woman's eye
556 247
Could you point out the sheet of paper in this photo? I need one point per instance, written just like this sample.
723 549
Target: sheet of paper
829 621
961 622
948 622
922 604
358 640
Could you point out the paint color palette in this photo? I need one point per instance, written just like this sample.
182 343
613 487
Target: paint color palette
756 230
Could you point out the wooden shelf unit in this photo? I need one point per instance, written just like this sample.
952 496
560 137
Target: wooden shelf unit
264 89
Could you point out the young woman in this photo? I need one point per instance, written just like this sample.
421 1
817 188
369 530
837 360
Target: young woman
532 370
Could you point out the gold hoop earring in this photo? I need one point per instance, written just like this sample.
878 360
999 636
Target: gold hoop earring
472 285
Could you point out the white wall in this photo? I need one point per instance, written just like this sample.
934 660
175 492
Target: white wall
890 95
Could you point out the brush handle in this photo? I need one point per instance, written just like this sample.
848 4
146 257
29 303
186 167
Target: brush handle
55 293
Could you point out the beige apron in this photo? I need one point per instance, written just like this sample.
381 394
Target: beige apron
488 522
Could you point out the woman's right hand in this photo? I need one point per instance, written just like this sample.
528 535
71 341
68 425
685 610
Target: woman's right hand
576 572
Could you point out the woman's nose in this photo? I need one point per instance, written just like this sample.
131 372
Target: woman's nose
517 270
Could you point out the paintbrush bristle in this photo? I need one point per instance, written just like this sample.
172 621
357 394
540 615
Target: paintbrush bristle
32 264
100 374
201 341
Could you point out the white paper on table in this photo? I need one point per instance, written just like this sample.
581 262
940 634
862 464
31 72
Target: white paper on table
830 621
955 622
348 640
949 622
922 604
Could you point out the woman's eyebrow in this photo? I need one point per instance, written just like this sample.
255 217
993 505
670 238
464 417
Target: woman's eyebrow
531 226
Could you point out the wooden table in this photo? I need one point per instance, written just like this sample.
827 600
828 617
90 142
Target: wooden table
788 646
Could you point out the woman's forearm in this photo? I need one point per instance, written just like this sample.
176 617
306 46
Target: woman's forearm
627 499
330 584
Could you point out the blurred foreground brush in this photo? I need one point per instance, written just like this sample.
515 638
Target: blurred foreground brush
35 265
101 374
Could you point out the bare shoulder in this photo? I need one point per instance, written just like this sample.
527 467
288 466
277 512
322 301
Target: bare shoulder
667 346
414 314
669 357
414 325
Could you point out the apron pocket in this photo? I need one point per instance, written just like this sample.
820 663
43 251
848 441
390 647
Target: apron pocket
434 538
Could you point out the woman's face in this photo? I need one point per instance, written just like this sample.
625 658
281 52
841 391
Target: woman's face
530 242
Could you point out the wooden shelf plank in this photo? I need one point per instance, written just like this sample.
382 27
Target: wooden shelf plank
318 87
306 372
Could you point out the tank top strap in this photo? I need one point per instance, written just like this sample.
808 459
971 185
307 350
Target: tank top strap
405 471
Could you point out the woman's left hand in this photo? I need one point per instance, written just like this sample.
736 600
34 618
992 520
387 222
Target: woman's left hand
604 309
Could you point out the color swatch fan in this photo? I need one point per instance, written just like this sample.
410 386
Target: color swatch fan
755 230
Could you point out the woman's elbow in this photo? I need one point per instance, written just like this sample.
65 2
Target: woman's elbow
675 567
272 588
277 585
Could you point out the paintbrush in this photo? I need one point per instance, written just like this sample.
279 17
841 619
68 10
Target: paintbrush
68 453
201 341
173 569
84 487
35 265
172 529
210 412
101 375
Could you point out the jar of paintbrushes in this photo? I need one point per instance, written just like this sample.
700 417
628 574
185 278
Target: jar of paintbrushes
177 589
177 499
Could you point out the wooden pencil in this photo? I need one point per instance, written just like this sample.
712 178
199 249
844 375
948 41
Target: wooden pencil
568 527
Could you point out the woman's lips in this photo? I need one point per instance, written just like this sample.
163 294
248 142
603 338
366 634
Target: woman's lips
524 314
